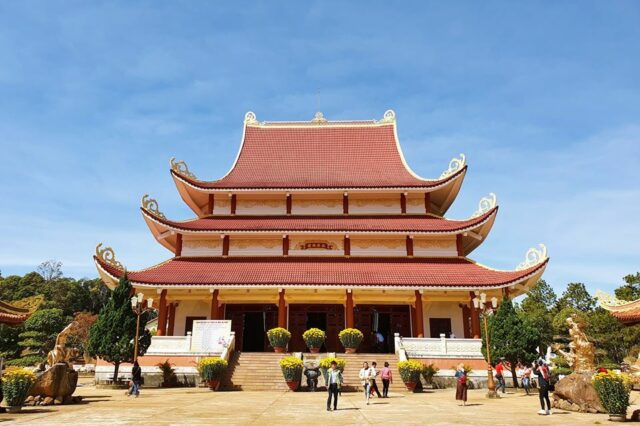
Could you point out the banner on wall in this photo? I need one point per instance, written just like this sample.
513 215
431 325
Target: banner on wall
210 336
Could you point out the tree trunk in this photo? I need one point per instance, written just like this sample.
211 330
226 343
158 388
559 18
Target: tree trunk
116 367
514 375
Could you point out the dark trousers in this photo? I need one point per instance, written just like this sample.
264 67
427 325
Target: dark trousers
385 387
501 383
332 390
374 388
544 396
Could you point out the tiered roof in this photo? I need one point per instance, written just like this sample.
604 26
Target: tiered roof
15 313
626 311
316 157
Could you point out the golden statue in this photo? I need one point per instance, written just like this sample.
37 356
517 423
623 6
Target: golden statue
60 352
581 355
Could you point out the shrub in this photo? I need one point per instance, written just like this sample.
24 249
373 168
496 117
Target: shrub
291 368
26 361
410 370
325 363
16 384
314 337
613 390
212 368
278 337
169 378
428 371
351 337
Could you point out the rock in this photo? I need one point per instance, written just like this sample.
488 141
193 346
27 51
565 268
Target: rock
58 400
77 399
59 380
635 416
47 401
30 398
576 393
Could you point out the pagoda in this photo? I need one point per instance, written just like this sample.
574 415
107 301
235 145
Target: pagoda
322 224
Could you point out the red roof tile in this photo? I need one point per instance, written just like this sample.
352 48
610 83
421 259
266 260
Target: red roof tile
319 156
299 271
373 223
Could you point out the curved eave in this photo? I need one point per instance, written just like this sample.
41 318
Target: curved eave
165 231
195 193
633 306
518 284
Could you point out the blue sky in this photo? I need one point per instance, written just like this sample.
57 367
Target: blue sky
542 97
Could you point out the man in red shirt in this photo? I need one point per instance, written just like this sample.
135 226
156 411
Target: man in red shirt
500 376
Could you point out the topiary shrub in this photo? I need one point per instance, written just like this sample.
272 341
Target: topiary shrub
291 368
613 390
351 338
26 361
279 337
314 338
212 370
410 371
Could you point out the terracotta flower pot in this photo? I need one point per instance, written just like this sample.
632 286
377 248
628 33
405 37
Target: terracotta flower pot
293 384
350 350
213 384
278 349
411 385
314 350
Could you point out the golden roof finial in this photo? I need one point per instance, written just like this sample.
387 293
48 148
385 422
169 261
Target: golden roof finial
454 165
533 257
152 205
108 256
181 168
486 204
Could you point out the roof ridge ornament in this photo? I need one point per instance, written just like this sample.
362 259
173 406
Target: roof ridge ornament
456 164
388 117
151 204
108 256
486 203
318 118
250 118
533 257
607 300
181 168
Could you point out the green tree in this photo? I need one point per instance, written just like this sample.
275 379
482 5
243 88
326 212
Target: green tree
112 336
9 341
41 330
511 337
15 287
576 296
631 289
537 308
605 331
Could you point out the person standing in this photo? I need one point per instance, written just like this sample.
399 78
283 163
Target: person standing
334 382
136 379
374 374
526 378
387 377
461 385
500 377
542 371
365 379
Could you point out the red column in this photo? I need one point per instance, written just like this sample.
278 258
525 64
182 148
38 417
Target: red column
215 306
465 321
210 203
505 293
179 245
347 246
403 203
172 318
233 203
285 245
225 245
409 245
419 317
289 203
475 318
162 315
282 310
348 310
459 247
345 203
427 202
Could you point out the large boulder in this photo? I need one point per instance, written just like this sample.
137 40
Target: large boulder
57 382
576 393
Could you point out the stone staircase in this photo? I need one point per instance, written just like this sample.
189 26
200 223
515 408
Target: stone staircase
255 371
354 364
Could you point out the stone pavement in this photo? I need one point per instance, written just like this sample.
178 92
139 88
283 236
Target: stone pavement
195 406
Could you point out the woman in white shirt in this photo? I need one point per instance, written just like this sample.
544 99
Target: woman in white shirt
365 379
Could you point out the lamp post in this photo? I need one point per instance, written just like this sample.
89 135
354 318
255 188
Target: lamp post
139 308
479 302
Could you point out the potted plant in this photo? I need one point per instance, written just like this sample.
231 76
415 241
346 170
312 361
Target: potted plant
410 373
314 339
428 372
613 390
292 371
279 338
16 384
350 339
169 378
325 365
212 370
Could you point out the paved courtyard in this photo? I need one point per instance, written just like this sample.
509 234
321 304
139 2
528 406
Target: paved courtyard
201 406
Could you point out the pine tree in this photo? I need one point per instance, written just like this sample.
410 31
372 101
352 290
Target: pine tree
511 337
112 336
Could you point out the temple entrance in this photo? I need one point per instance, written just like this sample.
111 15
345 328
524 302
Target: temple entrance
438 326
329 318
250 323
379 323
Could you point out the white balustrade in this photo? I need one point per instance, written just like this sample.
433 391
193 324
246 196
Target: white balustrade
418 347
